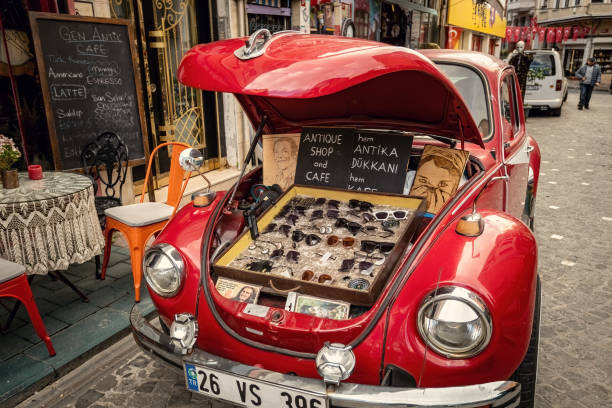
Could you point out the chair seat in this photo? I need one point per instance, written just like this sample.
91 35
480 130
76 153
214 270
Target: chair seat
140 214
10 270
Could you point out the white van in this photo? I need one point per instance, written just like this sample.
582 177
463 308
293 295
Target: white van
546 86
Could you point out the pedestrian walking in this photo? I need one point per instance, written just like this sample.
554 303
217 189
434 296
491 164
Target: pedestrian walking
590 76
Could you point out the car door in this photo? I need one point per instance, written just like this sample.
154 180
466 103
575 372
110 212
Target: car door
515 146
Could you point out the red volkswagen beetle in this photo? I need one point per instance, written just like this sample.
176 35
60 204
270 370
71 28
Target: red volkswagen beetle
456 323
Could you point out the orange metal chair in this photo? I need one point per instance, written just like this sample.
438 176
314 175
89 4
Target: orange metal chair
139 221
14 284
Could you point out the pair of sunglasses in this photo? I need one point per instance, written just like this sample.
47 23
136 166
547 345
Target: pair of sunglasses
310 239
375 259
362 205
347 242
318 214
352 226
293 256
260 266
308 275
334 204
371 246
348 264
392 215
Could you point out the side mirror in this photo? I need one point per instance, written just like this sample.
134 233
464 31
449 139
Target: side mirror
191 159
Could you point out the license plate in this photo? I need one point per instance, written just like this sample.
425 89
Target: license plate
247 391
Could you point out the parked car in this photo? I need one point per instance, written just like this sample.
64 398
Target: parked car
546 85
457 323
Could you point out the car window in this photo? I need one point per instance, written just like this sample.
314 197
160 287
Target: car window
543 65
509 107
472 89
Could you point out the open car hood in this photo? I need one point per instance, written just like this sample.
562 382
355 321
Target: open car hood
301 80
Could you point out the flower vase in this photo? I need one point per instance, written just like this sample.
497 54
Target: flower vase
10 178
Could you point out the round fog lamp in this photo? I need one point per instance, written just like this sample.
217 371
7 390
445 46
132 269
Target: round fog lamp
183 332
335 362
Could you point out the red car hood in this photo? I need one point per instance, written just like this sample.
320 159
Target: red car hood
317 80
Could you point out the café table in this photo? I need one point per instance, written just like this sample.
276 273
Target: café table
48 224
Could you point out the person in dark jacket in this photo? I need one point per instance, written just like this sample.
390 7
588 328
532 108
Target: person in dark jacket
590 76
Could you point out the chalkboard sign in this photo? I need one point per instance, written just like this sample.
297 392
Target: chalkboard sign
379 162
89 83
324 156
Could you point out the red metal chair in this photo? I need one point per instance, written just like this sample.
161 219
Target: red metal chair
14 284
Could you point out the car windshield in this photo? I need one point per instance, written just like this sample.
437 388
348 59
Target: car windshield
543 65
472 89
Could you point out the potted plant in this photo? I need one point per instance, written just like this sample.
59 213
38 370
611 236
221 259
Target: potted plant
9 154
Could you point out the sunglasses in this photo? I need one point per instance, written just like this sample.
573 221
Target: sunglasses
375 259
293 256
393 215
371 246
316 215
260 266
292 218
334 204
310 239
353 227
277 254
269 228
320 201
348 264
390 223
362 205
347 242
285 229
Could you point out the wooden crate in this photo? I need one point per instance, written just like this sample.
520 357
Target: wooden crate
282 285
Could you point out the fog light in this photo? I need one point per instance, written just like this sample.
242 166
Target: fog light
183 332
335 362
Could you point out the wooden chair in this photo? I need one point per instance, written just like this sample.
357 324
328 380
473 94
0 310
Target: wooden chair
105 161
139 221
14 284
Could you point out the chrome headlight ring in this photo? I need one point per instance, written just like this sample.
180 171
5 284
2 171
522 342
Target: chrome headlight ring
163 269
451 307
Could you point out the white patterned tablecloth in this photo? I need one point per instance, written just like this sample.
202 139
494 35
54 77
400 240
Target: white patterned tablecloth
49 224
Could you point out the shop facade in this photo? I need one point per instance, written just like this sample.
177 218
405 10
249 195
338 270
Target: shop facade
475 26
586 32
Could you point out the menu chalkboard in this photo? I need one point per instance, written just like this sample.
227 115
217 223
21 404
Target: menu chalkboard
379 162
89 83
324 156
353 159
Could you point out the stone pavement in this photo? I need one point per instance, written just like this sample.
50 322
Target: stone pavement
574 230
77 329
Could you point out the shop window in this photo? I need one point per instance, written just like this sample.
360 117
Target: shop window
362 23
477 42
545 3
604 59
573 61
393 25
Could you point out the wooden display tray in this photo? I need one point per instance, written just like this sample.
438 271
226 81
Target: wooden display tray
282 285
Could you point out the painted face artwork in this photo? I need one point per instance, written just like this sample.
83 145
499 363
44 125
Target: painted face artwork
283 154
437 185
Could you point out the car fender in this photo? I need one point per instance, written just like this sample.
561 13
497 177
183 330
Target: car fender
500 266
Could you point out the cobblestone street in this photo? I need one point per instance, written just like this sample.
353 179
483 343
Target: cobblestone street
574 229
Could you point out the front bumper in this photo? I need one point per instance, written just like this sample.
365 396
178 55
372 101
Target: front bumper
494 394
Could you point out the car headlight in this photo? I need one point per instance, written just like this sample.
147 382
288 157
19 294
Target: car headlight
454 322
163 269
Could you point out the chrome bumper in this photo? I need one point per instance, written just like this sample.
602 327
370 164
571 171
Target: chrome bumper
494 394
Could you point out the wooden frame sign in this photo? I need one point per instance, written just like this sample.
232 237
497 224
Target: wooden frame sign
89 76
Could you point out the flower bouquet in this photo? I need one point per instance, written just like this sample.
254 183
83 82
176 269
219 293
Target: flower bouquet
9 154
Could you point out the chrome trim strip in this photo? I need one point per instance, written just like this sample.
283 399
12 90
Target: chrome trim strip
348 395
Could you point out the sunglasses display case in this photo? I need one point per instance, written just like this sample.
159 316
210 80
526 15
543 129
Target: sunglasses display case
336 246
